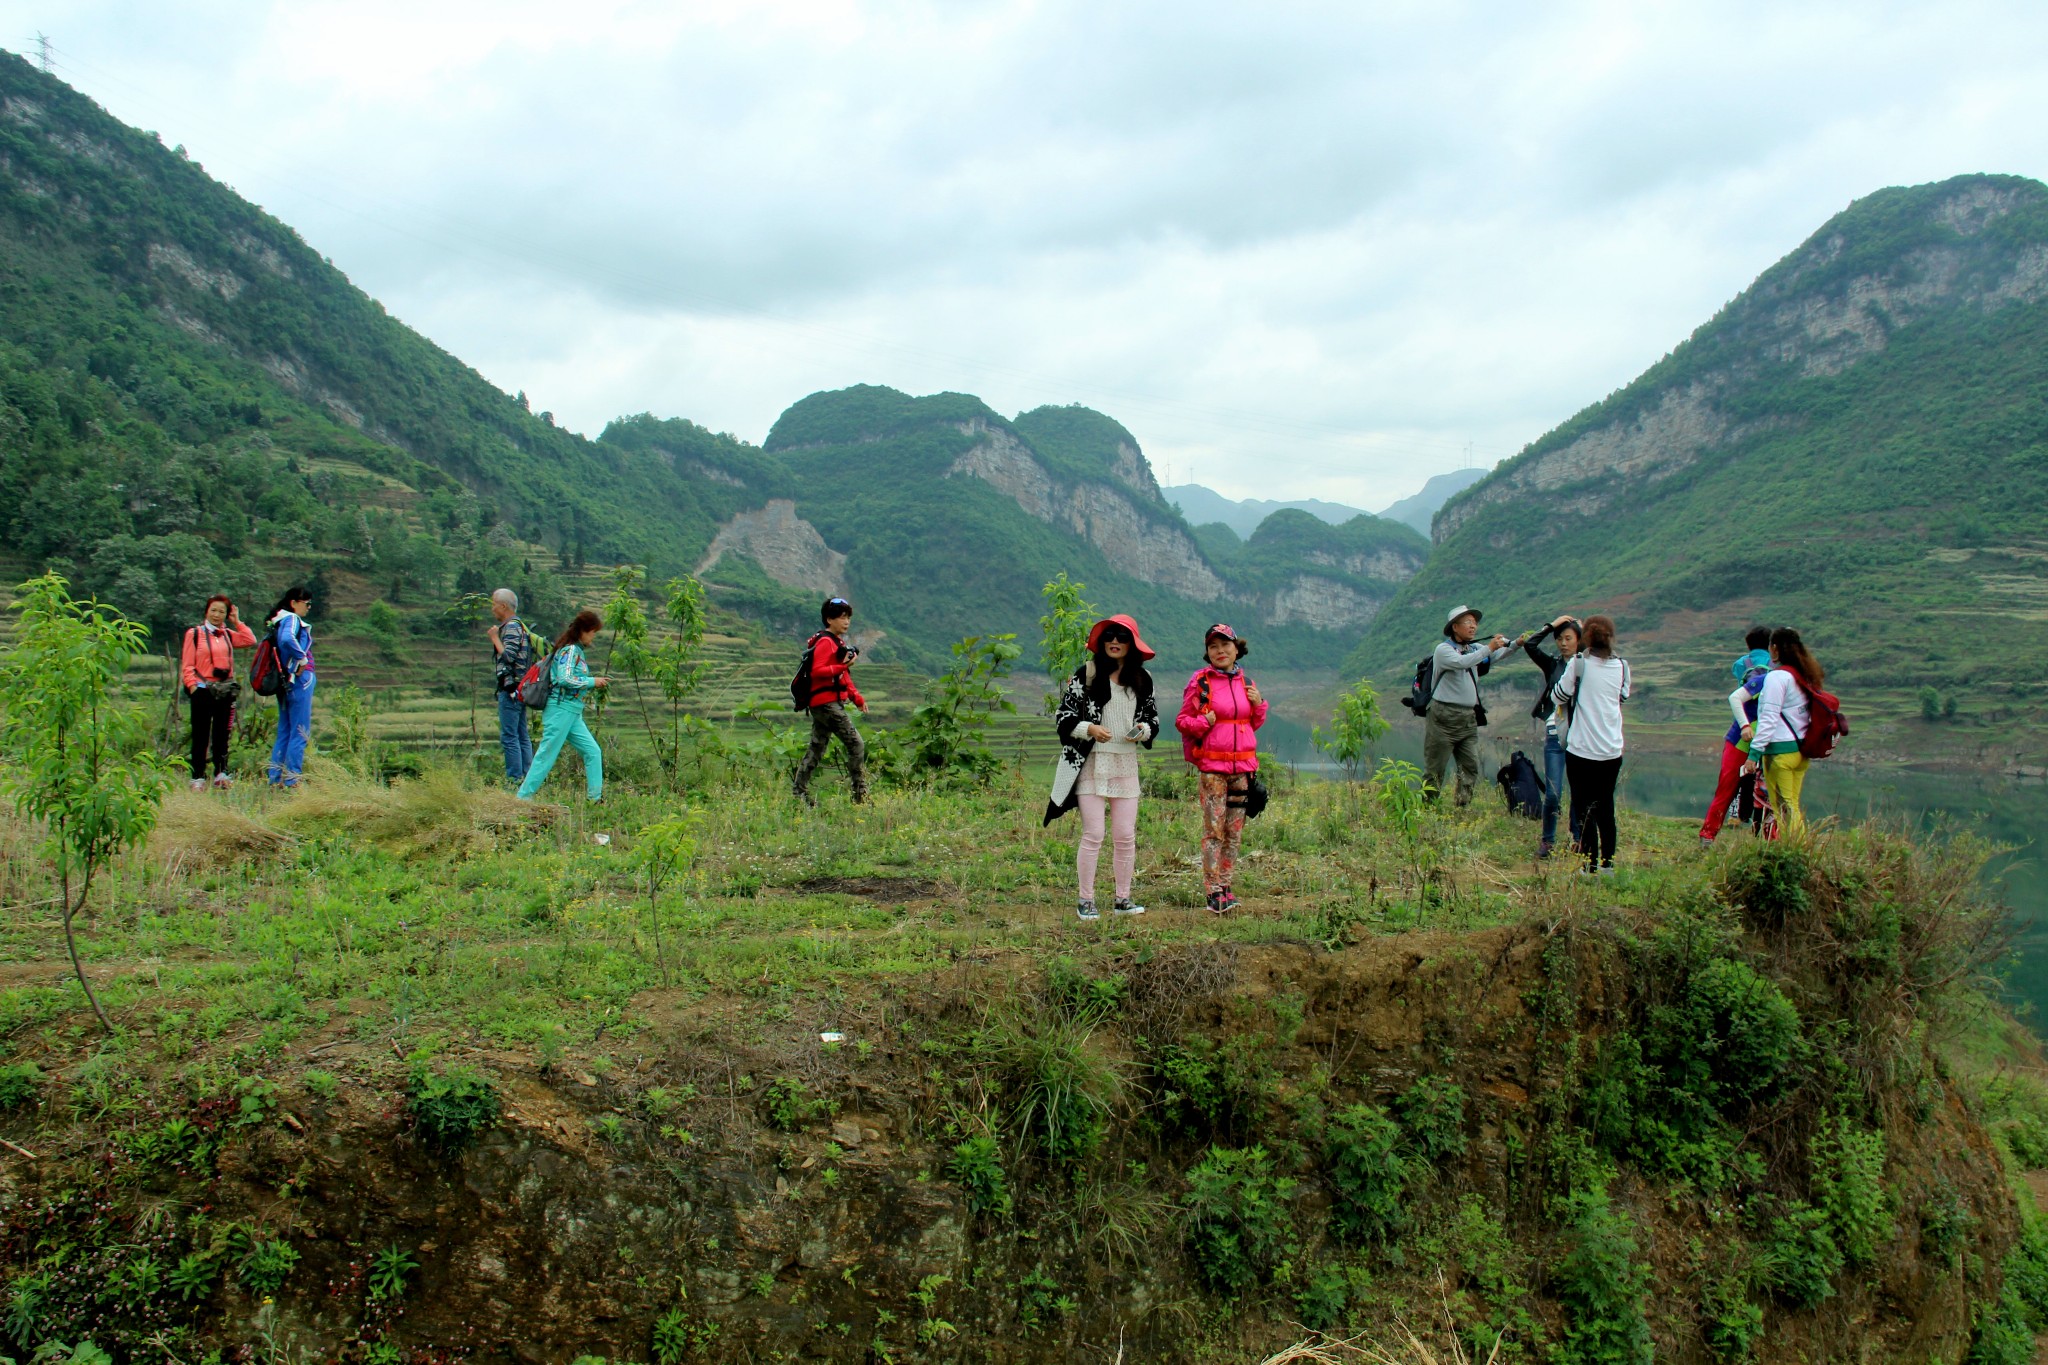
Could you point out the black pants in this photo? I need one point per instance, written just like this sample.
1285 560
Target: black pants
210 717
1593 782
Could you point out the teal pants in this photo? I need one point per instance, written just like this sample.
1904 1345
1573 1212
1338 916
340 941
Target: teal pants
562 723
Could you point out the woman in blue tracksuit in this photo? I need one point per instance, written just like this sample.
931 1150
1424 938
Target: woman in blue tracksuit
295 699
569 682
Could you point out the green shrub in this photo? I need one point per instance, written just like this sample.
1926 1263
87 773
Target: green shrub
1768 880
791 1105
389 1269
2026 1271
1323 1297
1237 1217
1192 1097
18 1085
1730 1320
2015 1108
267 1265
977 1167
1848 1185
1946 1224
1433 1112
2003 1334
1601 1286
676 1336
1734 1037
1800 1256
1495 1267
1061 1090
1082 996
1367 1173
451 1107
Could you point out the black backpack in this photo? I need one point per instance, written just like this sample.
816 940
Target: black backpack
1422 691
800 685
1521 786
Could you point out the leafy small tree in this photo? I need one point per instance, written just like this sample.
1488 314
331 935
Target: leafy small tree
668 660
70 756
1355 726
665 850
949 731
1063 633
1930 704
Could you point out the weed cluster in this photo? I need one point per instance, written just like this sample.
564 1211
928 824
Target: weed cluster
450 1107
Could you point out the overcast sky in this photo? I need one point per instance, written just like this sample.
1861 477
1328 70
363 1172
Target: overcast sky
1299 250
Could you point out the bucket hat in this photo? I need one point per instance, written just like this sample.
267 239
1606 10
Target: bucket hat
1095 634
1460 610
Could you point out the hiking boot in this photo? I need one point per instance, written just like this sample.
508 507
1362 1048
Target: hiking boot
1543 850
221 782
1216 906
1087 911
1123 906
199 784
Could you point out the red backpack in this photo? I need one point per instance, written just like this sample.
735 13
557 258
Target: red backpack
266 670
1825 723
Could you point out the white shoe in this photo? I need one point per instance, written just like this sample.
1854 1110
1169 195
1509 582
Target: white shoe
199 784
221 782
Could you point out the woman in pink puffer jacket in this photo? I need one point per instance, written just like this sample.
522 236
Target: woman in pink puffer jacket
1220 714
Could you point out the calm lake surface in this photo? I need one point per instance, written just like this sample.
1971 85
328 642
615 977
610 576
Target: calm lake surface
2004 810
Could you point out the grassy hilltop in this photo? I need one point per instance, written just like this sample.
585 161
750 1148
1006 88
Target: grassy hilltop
412 1073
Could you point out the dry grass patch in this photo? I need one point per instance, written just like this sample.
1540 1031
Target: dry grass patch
199 832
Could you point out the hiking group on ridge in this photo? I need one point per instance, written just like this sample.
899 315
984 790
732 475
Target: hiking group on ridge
1108 714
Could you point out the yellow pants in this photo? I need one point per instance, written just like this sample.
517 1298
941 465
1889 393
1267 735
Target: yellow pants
1785 774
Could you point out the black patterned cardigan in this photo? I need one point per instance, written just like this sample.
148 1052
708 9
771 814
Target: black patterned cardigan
1077 712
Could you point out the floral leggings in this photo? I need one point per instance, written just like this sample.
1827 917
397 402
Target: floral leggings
1222 797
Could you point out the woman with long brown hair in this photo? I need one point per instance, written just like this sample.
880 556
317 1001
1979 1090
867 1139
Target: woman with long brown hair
561 722
1782 718
1589 694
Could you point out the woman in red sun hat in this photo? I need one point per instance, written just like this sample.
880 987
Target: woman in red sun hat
1220 714
1106 712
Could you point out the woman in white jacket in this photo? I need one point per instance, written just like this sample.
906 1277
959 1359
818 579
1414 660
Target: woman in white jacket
1593 686
1782 717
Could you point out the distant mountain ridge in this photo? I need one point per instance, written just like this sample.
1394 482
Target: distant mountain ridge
191 398
1857 444
1201 505
1417 510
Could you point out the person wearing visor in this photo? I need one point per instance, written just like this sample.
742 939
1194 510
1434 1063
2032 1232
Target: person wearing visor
1220 714
1451 727
1107 711
831 688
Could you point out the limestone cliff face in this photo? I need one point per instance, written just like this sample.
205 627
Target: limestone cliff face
1805 313
1149 551
788 548
1388 566
1321 602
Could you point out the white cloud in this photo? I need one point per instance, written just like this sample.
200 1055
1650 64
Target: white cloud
1299 251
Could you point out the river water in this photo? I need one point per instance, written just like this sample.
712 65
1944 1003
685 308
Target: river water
2003 810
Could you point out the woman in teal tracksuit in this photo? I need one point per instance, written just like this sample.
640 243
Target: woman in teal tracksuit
561 723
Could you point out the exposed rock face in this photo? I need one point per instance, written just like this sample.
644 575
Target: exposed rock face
1323 603
788 548
1786 319
1149 551
1388 566
179 262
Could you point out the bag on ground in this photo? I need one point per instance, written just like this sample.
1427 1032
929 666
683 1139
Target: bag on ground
1521 786
266 670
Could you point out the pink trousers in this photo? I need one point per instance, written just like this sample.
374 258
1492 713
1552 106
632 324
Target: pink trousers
1123 820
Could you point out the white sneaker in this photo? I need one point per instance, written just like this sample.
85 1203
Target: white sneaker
1124 906
199 784
221 782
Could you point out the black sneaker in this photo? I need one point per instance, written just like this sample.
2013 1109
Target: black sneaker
1087 911
1216 905
1123 906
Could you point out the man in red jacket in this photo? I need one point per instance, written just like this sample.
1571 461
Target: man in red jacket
831 688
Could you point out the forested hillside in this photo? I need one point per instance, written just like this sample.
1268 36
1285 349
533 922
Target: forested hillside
194 399
1858 444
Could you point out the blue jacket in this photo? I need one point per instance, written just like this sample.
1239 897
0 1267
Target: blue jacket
294 644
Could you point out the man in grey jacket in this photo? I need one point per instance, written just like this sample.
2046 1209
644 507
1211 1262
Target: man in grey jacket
1450 729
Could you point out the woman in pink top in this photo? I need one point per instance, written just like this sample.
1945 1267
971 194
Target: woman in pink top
1220 714
206 665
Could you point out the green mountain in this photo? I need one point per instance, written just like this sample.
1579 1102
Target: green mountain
1857 445
195 400
942 518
